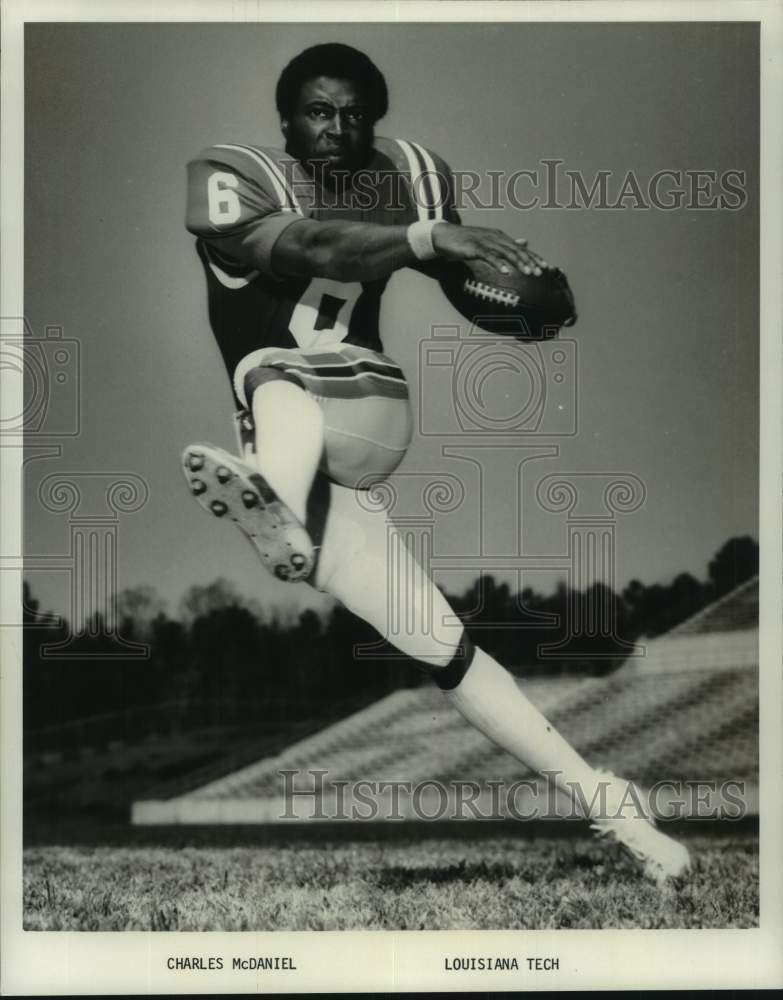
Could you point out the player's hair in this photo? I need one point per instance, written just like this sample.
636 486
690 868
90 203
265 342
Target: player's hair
338 61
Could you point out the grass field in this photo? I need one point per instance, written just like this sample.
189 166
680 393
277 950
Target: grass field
434 884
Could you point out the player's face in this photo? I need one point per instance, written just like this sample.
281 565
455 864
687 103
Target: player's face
331 127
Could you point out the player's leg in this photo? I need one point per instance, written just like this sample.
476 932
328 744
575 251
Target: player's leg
355 567
289 440
341 408
269 509
403 604
365 428
285 421
489 698
364 562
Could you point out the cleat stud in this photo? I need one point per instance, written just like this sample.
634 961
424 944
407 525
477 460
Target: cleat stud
197 487
218 508
249 499
195 461
223 474
298 561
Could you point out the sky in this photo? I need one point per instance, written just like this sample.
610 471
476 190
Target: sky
661 371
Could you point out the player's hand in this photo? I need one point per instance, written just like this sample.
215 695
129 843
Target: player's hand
493 246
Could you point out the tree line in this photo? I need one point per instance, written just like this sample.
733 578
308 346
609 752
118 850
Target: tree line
222 659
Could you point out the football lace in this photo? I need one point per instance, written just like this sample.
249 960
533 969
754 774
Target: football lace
490 293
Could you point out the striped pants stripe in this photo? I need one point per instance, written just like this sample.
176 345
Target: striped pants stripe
363 396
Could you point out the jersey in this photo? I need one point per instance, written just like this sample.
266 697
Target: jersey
235 190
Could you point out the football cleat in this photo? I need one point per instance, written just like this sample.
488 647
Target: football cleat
661 857
229 487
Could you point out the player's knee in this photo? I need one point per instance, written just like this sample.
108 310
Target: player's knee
449 674
359 465
362 453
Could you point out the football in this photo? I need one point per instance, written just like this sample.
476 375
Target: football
525 306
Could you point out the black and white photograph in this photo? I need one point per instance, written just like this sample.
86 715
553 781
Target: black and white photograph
391 497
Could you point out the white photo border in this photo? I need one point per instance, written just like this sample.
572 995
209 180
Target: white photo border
135 962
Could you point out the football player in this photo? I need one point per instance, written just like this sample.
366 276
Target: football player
297 246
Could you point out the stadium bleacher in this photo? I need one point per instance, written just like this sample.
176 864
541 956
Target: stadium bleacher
686 711
737 610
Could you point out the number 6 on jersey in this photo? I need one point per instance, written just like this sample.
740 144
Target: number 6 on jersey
224 205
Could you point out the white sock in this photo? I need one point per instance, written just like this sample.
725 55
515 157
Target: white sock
489 698
289 441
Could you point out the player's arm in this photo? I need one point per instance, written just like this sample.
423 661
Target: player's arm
356 251
343 251
363 251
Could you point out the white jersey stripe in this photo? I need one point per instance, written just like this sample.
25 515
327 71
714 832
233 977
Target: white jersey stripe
229 281
434 178
415 172
283 180
283 192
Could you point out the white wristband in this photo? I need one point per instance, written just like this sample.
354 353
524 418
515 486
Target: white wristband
420 239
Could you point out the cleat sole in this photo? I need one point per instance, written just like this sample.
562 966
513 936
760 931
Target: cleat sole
227 487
